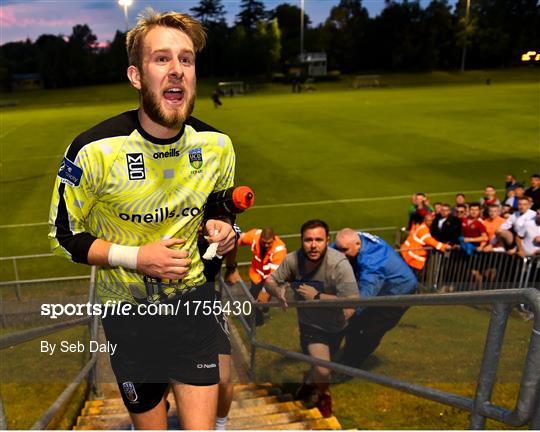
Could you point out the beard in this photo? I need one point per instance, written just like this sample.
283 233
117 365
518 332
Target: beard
172 120
321 256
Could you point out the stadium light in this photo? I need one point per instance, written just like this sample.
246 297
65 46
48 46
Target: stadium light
530 56
125 4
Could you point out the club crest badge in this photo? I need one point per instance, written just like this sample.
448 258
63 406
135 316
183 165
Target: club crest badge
129 391
195 158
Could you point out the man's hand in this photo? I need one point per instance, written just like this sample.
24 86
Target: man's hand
307 291
225 236
232 276
280 296
160 260
278 292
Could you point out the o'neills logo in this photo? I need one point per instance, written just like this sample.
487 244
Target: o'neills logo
160 215
167 154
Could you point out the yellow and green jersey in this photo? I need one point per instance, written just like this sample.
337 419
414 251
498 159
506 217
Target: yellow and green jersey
118 183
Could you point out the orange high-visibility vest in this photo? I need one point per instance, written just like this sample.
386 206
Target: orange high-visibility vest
262 267
413 249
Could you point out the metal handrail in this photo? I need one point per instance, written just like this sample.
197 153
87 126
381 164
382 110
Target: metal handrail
34 333
20 337
64 396
526 409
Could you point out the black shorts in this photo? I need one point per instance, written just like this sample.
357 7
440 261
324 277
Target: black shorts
311 335
153 351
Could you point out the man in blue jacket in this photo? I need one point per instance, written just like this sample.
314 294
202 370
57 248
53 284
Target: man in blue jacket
379 271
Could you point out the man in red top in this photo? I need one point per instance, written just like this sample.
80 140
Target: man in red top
268 252
473 231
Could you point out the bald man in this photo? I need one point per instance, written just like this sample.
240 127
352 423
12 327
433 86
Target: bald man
379 271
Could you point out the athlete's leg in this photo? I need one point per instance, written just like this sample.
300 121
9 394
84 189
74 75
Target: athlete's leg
196 405
225 391
154 419
225 386
320 376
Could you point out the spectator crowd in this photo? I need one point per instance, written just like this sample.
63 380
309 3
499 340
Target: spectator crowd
488 224
361 265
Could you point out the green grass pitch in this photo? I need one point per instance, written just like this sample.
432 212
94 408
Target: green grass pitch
372 148
375 145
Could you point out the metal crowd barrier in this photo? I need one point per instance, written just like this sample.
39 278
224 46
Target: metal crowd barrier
527 409
88 370
456 271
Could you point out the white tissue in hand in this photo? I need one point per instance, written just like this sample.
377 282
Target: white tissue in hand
211 252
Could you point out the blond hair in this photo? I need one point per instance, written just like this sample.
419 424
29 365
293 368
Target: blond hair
149 19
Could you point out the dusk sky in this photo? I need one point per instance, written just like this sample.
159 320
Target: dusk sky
21 19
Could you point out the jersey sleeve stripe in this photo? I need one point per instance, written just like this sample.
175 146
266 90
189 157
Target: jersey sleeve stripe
77 245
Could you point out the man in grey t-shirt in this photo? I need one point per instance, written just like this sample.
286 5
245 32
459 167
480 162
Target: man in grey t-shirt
316 272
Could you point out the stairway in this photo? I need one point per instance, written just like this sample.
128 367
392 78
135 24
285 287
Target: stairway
254 407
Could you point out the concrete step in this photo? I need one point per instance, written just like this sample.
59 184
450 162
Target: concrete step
270 408
263 421
235 412
330 423
241 392
245 403
253 407
289 420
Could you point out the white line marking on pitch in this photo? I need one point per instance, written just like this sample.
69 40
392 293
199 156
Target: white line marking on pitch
355 200
24 225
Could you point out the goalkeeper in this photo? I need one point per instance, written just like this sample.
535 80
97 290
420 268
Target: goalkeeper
128 198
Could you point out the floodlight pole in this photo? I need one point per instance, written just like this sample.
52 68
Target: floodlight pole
125 4
301 27
464 50
126 17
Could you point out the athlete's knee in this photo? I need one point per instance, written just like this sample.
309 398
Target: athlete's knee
321 374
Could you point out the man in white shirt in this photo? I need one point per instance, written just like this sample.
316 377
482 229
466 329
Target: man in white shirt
514 226
528 243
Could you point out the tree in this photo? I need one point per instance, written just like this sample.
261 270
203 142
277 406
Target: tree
440 50
345 35
82 37
399 31
209 11
80 64
211 61
52 53
288 18
251 12
112 62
